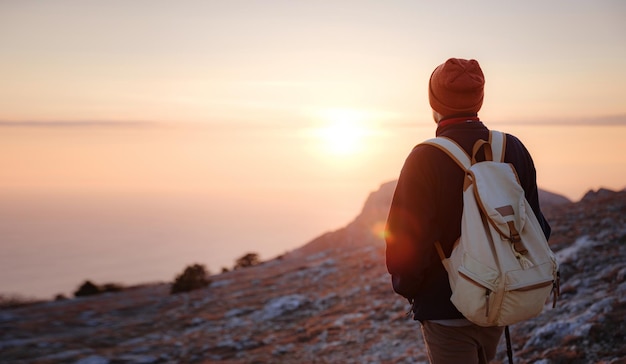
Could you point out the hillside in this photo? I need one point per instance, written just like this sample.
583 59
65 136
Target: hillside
331 302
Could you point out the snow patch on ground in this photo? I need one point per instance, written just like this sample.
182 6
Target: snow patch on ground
570 253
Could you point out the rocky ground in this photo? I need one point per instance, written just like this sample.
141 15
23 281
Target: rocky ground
331 302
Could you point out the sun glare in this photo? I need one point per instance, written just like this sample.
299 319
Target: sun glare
343 131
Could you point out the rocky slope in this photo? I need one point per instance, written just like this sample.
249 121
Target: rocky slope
331 302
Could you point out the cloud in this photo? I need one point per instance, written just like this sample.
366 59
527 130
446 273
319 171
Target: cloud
609 120
75 124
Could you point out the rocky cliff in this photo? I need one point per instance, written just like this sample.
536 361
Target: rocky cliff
331 302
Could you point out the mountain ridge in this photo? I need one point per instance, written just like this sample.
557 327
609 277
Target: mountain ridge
373 216
330 301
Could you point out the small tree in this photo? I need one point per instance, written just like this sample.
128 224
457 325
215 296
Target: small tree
193 277
87 289
247 260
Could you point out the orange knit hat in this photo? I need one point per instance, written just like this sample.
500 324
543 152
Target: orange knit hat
456 87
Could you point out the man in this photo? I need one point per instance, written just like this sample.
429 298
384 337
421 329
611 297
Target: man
427 207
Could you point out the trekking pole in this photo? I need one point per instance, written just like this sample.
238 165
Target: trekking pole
509 349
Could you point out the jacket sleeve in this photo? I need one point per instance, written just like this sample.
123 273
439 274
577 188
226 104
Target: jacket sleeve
410 231
527 173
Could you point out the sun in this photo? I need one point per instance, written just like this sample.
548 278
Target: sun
343 131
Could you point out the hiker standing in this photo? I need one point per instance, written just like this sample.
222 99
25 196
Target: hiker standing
427 208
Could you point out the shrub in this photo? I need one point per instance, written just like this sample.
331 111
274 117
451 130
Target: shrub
60 297
87 289
247 260
193 277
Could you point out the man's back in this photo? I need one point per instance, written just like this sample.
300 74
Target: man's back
427 207
430 191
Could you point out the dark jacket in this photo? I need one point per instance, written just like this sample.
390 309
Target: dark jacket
427 207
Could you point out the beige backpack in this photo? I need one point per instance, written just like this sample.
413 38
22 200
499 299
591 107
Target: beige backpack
501 269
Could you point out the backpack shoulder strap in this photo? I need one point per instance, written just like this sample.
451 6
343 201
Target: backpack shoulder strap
452 149
497 140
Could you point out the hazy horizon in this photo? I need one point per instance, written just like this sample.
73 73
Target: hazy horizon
132 205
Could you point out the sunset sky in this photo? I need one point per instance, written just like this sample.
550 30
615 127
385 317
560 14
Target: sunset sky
286 61
295 109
